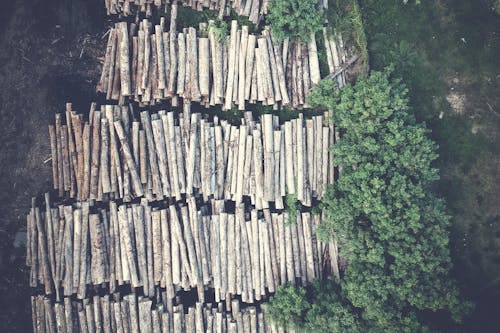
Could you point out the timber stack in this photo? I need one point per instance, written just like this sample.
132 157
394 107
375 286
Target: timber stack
75 249
163 155
178 221
253 9
133 313
149 65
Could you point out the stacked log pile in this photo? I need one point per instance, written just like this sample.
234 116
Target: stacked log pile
253 9
149 65
132 313
74 249
114 156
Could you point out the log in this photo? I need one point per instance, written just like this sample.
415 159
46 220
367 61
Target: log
95 154
160 56
145 321
138 222
124 59
243 74
274 67
136 183
204 66
268 139
104 164
130 252
182 63
193 65
161 151
153 162
53 146
313 61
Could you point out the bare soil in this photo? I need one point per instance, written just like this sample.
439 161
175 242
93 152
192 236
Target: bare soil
49 54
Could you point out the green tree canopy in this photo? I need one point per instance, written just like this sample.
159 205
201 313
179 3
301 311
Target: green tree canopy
319 311
393 231
294 18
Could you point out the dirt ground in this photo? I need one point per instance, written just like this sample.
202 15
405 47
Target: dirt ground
49 54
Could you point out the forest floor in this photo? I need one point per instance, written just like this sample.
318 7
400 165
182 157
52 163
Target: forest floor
49 55
448 53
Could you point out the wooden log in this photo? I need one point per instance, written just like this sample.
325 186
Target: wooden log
305 72
95 154
324 153
77 240
130 252
270 281
182 245
118 317
193 65
329 55
170 140
243 74
300 72
204 66
266 71
274 67
153 162
159 245
60 172
268 139
65 158
313 61
147 55
277 183
236 68
59 316
160 56
68 314
89 315
290 266
231 65
181 63
241 163
166 54
103 81
124 59
136 182
196 279
53 146
114 88
161 151
139 226
249 65
145 321
216 257
106 313
140 61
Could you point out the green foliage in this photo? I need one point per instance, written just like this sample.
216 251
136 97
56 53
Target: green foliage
294 18
323 96
392 228
220 29
321 310
288 306
292 206
330 312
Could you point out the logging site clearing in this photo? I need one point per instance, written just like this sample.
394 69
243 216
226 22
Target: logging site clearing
226 166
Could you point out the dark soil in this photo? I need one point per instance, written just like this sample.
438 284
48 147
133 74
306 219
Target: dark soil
49 54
